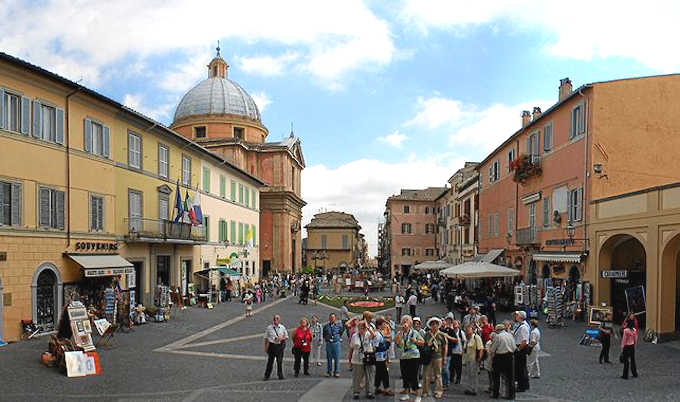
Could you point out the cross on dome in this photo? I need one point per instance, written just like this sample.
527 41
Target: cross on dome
218 66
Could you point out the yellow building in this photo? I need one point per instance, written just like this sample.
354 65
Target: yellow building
333 240
87 194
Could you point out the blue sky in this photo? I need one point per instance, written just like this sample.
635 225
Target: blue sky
385 95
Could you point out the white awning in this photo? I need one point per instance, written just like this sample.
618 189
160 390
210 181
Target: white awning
490 256
477 270
103 265
559 257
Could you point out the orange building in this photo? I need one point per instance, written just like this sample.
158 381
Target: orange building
598 141
409 233
220 115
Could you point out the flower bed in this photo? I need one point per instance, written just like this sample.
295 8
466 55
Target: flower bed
358 304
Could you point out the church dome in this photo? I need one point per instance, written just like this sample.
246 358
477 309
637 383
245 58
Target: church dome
217 95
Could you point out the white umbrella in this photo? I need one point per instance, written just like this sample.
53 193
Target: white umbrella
432 265
476 270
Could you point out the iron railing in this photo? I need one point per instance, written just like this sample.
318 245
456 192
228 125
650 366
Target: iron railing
164 229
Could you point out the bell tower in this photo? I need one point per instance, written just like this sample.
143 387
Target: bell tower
218 66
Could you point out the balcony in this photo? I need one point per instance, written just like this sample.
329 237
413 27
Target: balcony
465 219
526 167
162 230
526 237
441 221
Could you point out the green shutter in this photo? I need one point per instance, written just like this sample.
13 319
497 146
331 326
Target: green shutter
223 187
233 191
206 226
247 194
240 233
240 193
206 179
219 229
254 199
233 232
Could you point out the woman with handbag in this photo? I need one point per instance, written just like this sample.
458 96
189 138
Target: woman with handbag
628 341
302 346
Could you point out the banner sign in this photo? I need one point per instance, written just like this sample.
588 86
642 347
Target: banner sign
559 242
91 273
615 274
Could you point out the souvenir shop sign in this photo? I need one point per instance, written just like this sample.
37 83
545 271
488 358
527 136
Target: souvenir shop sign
91 273
615 274
96 246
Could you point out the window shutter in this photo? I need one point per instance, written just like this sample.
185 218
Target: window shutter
490 174
570 206
490 225
220 230
16 204
25 114
100 214
44 203
59 138
87 132
582 119
546 211
579 204
254 199
60 209
255 242
93 213
3 109
105 141
495 225
233 232
37 119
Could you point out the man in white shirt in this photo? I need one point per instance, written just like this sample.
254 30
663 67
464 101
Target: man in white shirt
274 344
362 358
412 302
398 305
521 334
501 351
535 341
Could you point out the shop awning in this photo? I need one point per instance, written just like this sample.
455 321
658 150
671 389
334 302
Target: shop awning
478 270
432 265
490 256
103 264
228 271
573 257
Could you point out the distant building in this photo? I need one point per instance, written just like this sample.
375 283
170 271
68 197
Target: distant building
409 233
333 240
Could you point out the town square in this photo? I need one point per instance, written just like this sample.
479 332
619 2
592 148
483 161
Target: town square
414 200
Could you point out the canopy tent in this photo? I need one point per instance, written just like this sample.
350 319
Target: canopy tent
432 265
224 271
477 270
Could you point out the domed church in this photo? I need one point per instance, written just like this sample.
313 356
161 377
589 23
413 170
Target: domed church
220 115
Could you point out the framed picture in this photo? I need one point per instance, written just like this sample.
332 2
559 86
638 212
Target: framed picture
635 299
598 315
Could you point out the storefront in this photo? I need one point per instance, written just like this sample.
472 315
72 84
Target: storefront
634 264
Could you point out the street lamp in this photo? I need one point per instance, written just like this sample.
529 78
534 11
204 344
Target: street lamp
571 230
318 255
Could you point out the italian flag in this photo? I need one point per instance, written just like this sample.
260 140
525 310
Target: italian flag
188 207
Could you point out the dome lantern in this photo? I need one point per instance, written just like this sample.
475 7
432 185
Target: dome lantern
218 66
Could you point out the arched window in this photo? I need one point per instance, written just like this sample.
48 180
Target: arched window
47 295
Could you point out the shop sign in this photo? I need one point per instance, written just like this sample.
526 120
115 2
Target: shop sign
91 273
615 274
96 246
223 261
559 242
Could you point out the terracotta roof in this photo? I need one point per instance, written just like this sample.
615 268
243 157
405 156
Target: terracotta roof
427 194
333 219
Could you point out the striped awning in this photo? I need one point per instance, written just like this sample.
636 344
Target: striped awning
573 257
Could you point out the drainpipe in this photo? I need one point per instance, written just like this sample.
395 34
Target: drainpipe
586 175
68 167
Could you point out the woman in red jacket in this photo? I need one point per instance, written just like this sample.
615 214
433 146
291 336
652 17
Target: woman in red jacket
302 345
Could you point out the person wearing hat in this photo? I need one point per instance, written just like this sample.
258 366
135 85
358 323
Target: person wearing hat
522 334
502 348
409 340
472 357
471 317
438 343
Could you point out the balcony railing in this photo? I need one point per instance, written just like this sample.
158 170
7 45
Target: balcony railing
526 236
164 229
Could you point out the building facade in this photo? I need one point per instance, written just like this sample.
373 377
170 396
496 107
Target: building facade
88 190
410 228
334 241
220 115
586 147
464 218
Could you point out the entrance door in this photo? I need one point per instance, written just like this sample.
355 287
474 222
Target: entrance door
139 269
266 267
46 299
163 270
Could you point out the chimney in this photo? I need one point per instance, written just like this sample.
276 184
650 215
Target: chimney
565 88
536 114
526 118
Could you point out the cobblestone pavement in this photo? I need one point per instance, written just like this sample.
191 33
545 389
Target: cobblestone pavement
207 355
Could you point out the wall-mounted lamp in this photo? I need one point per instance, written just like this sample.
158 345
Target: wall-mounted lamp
597 168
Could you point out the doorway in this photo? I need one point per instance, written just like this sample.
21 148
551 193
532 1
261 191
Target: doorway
46 291
138 266
163 270
266 267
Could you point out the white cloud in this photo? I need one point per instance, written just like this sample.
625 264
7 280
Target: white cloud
267 65
395 139
83 38
580 30
262 100
135 102
436 112
361 187
468 124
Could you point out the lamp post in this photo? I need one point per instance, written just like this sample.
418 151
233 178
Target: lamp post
318 255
